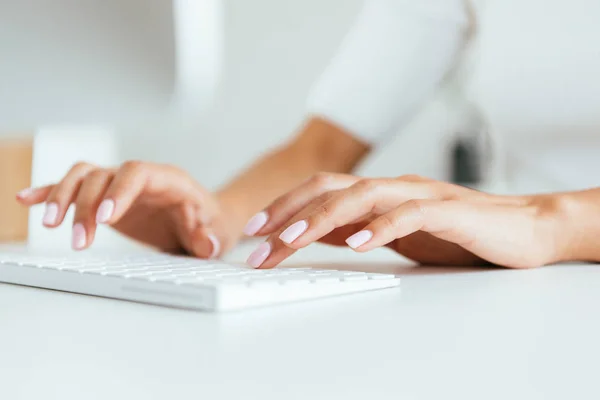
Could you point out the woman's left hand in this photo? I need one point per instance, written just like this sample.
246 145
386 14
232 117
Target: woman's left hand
427 221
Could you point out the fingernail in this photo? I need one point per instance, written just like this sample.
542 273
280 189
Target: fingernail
79 239
216 246
105 211
259 255
256 223
25 193
359 238
51 214
293 231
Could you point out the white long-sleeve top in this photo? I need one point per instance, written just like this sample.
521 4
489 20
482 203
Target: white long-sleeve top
533 69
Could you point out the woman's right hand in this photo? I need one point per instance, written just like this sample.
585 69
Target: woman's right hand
159 205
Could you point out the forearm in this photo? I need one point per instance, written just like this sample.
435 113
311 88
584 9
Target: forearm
320 146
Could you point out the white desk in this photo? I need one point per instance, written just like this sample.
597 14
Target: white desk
447 333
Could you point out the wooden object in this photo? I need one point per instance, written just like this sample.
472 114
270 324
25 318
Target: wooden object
16 157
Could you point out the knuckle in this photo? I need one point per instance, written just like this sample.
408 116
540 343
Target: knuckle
81 166
325 210
97 174
387 222
411 178
279 209
449 191
321 179
279 203
60 196
133 165
325 197
366 185
417 206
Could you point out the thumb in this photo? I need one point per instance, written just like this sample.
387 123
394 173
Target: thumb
204 243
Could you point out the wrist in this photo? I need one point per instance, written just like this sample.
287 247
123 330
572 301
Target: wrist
581 212
568 218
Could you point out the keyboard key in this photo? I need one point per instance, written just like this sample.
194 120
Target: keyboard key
184 280
297 269
325 279
296 280
161 277
321 273
79 268
266 281
381 276
128 274
354 278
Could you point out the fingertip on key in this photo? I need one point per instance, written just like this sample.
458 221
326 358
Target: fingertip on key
259 255
256 223
359 238
216 245
294 231
50 214
105 211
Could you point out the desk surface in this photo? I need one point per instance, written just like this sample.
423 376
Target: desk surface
446 333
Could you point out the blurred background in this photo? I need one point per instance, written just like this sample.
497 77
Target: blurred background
207 85
256 62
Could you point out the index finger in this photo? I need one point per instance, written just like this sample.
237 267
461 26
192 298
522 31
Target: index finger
32 196
272 252
286 206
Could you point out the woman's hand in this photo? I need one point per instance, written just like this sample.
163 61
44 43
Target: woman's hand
158 205
427 221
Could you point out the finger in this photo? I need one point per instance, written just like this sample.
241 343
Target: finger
31 196
327 213
133 178
486 230
125 187
197 239
88 199
319 218
205 243
349 206
64 193
447 220
286 206
271 252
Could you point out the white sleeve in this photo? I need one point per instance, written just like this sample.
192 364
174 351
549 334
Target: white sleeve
394 57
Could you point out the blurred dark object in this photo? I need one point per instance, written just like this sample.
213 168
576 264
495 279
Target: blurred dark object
466 165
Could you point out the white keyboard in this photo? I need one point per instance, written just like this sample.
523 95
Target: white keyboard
183 282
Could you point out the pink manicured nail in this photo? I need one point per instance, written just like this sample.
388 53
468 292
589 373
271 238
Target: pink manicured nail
105 211
259 255
25 193
216 246
51 214
359 238
293 231
79 239
256 223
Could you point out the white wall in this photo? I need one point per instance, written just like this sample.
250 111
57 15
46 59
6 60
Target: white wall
84 62
273 51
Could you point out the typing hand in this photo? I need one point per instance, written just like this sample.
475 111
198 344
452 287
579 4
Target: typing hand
427 221
158 205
